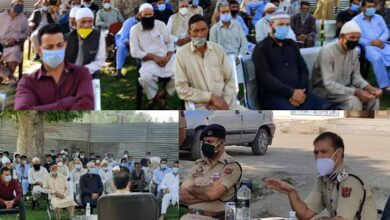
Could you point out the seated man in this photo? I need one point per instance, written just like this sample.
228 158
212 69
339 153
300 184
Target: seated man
304 25
235 11
49 162
55 185
228 34
161 11
178 24
75 178
10 193
91 186
203 73
346 15
138 178
107 16
151 42
39 18
57 85
122 182
263 25
13 32
159 174
90 5
337 77
281 72
374 39
72 19
195 8
122 39
170 189
36 175
22 173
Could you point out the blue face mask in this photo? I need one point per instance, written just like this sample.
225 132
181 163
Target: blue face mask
53 58
124 164
226 17
175 170
267 17
18 9
94 171
281 32
355 7
87 5
370 12
195 2
161 7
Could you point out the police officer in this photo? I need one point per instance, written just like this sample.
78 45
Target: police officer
213 180
339 189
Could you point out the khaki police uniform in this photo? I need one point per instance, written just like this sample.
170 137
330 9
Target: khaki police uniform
226 172
342 194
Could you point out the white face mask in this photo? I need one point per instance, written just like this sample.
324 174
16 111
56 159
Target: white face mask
7 178
325 166
183 11
78 166
106 5
60 164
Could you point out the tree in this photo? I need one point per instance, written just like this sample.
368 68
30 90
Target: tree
31 128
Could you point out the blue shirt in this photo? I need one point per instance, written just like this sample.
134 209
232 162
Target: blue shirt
158 174
241 21
375 29
124 34
20 173
259 8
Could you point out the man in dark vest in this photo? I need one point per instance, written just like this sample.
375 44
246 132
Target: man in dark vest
39 18
86 46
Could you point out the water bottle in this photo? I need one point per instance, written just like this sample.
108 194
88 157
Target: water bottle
88 210
292 215
243 203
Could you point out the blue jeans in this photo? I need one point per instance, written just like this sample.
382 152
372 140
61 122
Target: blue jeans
121 54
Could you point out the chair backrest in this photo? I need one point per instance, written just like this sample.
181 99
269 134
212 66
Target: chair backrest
386 211
310 56
112 30
3 99
250 83
121 206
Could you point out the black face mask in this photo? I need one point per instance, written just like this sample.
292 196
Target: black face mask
351 44
147 23
37 167
234 12
208 150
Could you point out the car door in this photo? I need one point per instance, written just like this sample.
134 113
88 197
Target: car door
231 120
251 122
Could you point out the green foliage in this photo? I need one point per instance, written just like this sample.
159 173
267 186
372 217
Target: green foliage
49 116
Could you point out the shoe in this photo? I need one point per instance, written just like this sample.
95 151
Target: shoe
118 74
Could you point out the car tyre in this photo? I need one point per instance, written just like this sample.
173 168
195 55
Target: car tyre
261 142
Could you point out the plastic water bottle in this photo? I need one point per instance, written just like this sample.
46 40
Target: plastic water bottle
88 210
292 215
243 203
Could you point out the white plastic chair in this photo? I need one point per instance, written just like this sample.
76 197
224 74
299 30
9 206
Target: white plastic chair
97 94
3 101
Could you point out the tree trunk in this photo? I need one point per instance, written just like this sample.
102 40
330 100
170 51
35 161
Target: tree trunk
31 134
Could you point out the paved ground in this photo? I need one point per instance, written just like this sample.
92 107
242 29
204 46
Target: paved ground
290 157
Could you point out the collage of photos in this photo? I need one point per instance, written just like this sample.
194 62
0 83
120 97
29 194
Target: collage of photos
194 109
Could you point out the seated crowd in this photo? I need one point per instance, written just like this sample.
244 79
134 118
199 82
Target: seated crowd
75 180
70 40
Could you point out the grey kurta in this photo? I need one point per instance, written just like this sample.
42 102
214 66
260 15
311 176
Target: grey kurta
336 75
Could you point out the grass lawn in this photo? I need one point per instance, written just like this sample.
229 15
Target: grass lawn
41 212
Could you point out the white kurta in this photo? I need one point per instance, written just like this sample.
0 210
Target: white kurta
58 184
170 182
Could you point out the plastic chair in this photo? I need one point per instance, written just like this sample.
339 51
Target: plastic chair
121 206
250 83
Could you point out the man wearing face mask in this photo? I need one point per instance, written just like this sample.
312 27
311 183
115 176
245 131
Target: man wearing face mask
170 188
235 11
22 173
151 42
374 37
13 32
281 72
38 19
91 186
339 188
203 74
162 12
347 15
36 175
304 25
91 5
228 33
159 174
337 77
195 8
107 16
10 193
178 24
61 167
56 186
57 85
75 175
213 180
137 176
